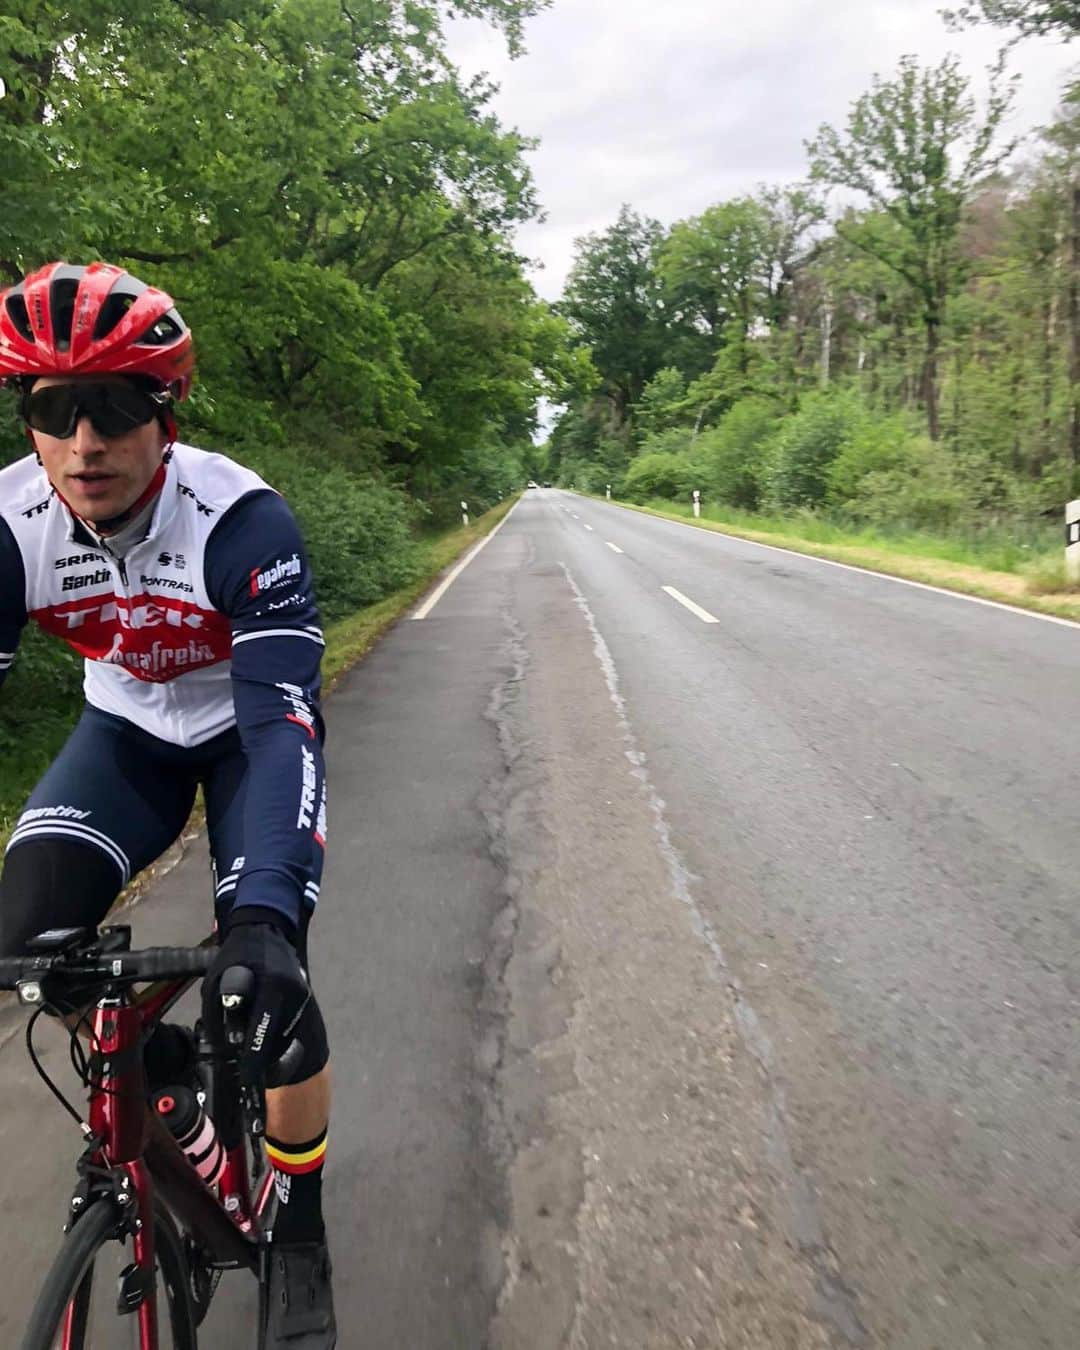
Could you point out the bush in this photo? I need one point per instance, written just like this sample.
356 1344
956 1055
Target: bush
875 445
733 453
919 489
806 445
670 476
357 532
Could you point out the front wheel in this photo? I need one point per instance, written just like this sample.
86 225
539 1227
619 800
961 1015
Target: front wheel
77 1306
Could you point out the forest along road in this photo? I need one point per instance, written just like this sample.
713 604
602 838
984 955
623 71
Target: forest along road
701 953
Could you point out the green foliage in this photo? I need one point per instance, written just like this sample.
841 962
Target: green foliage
1029 16
331 205
40 704
663 402
802 453
734 452
874 445
614 301
357 531
659 474
916 146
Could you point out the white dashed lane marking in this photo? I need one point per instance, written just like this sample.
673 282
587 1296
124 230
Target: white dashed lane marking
702 614
614 547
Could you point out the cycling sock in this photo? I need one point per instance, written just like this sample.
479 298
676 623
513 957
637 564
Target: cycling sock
298 1172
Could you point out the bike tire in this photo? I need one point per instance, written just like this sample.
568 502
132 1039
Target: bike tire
73 1268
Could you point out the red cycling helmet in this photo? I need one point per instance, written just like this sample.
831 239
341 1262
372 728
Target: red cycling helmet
66 320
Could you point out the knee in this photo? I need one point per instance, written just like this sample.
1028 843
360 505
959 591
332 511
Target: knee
53 883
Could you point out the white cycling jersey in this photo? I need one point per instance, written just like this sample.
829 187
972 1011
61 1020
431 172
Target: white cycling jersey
157 627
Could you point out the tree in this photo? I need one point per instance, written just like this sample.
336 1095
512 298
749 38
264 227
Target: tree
614 301
1030 17
917 148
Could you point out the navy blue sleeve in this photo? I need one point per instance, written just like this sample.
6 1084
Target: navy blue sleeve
257 573
12 598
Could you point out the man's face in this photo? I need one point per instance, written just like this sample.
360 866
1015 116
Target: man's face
99 476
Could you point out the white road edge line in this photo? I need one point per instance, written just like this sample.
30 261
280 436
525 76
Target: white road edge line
703 614
588 527
869 572
430 603
614 547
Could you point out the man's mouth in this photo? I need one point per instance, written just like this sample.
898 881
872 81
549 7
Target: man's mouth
92 481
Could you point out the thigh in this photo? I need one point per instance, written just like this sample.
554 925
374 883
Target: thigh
114 789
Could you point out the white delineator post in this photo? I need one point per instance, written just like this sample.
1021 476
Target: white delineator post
697 503
1072 541
609 492
464 513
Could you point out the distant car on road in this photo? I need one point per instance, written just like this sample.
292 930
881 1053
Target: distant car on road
545 485
530 484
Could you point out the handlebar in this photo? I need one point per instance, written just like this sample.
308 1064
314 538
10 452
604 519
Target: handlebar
151 963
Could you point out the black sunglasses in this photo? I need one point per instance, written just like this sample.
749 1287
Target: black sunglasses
113 408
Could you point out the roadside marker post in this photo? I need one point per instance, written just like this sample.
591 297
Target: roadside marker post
697 503
1072 541
609 492
464 513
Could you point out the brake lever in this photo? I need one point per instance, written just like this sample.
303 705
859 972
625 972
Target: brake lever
236 988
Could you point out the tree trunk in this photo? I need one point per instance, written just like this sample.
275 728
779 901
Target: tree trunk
930 376
826 340
1074 336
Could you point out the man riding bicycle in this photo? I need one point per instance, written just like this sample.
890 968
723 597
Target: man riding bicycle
182 579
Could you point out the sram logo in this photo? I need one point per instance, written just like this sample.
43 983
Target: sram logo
284 569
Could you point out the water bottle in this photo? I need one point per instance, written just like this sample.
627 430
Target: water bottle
193 1130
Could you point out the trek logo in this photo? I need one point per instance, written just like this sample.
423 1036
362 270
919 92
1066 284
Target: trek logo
310 783
148 615
75 560
284 569
176 560
301 712
37 510
78 583
201 507
153 637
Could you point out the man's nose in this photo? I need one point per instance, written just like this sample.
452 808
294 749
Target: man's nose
87 440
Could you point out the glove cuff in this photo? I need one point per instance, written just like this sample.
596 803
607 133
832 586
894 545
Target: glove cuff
240 915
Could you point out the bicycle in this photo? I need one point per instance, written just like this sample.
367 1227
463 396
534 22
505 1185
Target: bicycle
134 1181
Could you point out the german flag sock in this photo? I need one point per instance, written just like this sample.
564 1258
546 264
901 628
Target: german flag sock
298 1172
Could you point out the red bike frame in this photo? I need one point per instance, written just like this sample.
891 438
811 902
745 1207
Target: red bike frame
132 1141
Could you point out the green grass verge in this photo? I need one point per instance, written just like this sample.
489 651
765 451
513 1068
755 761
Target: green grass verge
1025 578
40 707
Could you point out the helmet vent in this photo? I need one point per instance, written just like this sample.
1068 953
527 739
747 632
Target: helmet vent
111 312
166 330
17 313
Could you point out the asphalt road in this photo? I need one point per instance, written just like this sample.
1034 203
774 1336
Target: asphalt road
698 974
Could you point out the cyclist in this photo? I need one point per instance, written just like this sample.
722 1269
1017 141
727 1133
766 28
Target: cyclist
182 579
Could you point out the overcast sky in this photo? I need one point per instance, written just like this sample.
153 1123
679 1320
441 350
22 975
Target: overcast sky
672 105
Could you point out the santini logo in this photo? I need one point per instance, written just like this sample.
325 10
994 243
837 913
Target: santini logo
282 570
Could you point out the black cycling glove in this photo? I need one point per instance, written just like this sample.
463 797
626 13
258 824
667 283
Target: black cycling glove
281 989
